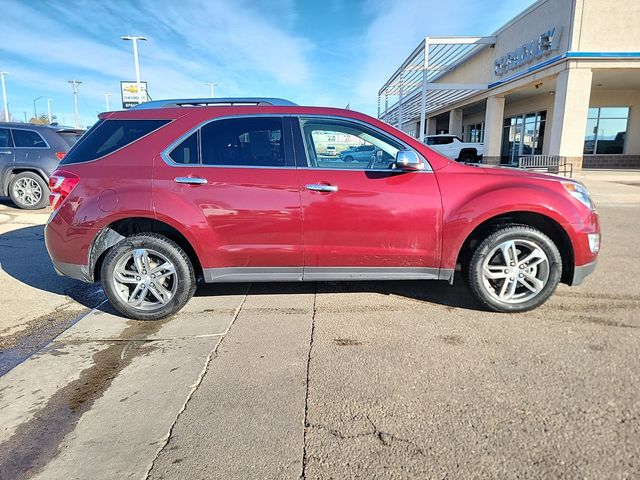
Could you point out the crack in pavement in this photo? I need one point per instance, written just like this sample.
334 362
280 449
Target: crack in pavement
385 438
306 398
212 354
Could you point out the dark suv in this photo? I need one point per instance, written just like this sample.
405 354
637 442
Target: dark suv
233 190
28 155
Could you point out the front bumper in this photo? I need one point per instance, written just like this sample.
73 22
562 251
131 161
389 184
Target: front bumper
581 272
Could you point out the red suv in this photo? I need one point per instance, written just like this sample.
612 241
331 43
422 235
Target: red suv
242 190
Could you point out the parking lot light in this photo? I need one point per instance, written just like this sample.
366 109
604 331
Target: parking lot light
136 64
4 96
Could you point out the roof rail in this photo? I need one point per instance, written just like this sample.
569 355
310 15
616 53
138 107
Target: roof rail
204 102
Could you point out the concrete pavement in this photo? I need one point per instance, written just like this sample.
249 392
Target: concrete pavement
337 380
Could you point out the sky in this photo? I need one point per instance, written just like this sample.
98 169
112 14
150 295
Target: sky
329 53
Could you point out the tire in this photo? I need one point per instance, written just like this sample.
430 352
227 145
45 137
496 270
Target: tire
467 157
348 159
29 191
120 277
489 269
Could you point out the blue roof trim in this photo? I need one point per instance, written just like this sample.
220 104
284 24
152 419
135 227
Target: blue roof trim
558 58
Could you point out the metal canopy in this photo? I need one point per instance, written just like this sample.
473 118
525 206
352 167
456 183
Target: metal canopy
412 91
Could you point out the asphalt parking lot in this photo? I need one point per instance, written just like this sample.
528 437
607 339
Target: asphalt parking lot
326 380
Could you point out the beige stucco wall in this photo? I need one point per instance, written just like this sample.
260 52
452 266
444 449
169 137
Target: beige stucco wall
607 26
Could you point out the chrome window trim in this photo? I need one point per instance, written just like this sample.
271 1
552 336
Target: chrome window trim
48 147
427 169
169 161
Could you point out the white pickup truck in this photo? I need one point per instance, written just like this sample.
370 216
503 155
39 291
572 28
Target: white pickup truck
451 146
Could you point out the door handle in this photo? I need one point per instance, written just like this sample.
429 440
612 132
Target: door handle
5 152
191 180
319 187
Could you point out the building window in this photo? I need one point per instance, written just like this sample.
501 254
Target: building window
474 133
523 135
606 130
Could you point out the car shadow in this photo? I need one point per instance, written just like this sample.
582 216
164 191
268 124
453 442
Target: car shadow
24 257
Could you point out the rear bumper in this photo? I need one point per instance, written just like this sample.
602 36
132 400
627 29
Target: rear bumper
581 272
79 272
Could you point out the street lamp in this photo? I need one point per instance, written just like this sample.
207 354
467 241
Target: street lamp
135 39
49 100
213 86
35 113
74 87
106 100
4 95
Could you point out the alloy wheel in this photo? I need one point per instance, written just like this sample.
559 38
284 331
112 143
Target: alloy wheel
27 191
515 271
145 279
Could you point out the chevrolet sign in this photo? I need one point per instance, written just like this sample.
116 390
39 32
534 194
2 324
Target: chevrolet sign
546 43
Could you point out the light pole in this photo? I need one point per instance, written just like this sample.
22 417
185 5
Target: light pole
49 100
135 39
213 86
74 87
35 113
4 95
106 100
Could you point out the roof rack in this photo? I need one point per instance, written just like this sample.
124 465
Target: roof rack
204 102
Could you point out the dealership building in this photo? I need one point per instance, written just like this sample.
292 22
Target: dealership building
561 79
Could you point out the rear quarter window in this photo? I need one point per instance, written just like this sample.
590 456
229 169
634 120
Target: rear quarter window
70 138
28 139
108 136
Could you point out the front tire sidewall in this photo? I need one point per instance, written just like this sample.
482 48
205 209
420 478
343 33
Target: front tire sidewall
44 200
514 233
185 275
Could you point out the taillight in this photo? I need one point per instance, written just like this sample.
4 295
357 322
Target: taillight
60 155
61 183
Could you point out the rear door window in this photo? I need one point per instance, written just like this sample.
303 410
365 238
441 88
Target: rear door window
108 136
5 138
28 139
256 141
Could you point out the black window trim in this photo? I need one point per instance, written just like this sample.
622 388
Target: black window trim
85 135
48 147
305 166
289 162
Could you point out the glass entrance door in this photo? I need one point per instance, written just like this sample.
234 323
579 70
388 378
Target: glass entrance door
522 135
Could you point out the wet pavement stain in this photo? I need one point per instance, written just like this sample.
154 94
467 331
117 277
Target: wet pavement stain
37 441
346 342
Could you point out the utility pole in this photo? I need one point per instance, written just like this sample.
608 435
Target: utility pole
106 100
74 87
213 86
49 100
35 113
4 95
136 64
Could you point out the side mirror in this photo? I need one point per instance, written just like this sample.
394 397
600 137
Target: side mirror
408 161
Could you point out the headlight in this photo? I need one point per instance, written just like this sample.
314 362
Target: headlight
579 192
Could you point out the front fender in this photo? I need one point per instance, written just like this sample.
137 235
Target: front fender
462 218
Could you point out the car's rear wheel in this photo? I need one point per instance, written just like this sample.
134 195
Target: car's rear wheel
147 277
29 191
348 158
514 269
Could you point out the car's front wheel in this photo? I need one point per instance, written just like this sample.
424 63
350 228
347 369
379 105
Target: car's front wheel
147 277
514 269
